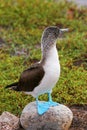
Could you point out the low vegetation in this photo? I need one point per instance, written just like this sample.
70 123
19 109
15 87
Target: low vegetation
21 25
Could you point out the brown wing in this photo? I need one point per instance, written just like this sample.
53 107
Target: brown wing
30 78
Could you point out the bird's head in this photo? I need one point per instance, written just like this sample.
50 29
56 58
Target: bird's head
50 35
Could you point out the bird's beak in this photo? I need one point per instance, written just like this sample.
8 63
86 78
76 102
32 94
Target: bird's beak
61 31
64 30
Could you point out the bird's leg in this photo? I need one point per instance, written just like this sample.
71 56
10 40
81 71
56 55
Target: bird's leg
51 103
37 101
49 96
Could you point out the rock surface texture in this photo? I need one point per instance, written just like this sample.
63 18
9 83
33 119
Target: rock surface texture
56 118
8 121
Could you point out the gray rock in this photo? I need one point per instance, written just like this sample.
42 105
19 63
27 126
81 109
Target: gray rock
56 118
8 121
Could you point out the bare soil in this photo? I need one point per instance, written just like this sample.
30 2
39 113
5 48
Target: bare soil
80 117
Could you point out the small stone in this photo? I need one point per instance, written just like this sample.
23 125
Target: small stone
8 121
56 118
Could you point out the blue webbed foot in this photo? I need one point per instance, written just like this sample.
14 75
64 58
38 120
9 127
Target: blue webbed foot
51 103
42 107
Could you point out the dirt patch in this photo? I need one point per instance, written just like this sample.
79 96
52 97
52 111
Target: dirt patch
82 60
2 42
80 117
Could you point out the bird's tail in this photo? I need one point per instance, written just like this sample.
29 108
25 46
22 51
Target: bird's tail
13 86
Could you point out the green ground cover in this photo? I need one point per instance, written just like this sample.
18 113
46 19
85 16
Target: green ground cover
21 25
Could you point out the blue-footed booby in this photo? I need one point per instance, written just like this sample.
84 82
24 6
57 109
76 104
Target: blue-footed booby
41 77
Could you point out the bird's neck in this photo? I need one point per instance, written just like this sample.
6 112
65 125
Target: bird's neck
50 54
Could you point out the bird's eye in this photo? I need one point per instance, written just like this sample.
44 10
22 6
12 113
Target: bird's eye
56 34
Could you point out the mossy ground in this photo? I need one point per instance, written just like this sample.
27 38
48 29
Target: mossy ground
21 25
